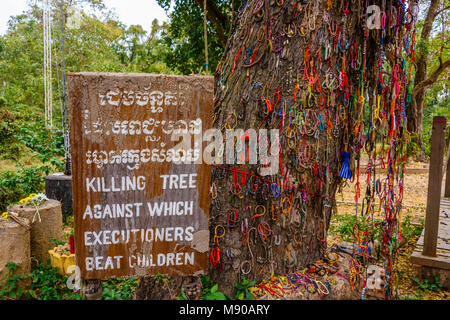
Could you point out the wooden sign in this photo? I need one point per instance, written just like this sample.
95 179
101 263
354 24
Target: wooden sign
141 206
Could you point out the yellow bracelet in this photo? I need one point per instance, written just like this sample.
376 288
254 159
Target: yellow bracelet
216 236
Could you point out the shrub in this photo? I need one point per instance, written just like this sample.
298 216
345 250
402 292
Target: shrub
15 185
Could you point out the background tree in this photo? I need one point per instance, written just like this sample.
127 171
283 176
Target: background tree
433 59
185 37
98 42
140 51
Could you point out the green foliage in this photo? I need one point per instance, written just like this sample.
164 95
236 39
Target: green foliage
46 145
413 147
182 296
119 289
46 284
426 286
411 230
344 224
100 44
210 290
417 296
7 126
435 52
242 291
142 52
21 65
15 185
56 242
10 289
185 34
434 108
11 120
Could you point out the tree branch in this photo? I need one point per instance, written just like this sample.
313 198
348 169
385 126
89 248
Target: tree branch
442 10
431 79
217 18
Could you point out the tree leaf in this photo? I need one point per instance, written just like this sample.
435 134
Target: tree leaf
32 294
216 296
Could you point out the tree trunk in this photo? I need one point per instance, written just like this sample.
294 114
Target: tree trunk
304 68
281 56
415 124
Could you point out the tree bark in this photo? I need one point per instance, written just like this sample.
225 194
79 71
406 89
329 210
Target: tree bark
415 121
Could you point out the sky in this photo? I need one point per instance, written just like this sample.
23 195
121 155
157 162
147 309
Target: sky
129 11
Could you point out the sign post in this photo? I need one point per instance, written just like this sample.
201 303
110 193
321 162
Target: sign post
140 188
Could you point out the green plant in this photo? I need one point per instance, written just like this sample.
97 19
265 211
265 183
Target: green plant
412 147
10 289
210 290
48 284
242 291
68 222
343 225
434 108
417 296
119 289
7 125
15 185
56 242
48 146
409 229
426 285
182 296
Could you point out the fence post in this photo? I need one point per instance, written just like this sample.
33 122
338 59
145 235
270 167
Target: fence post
434 186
